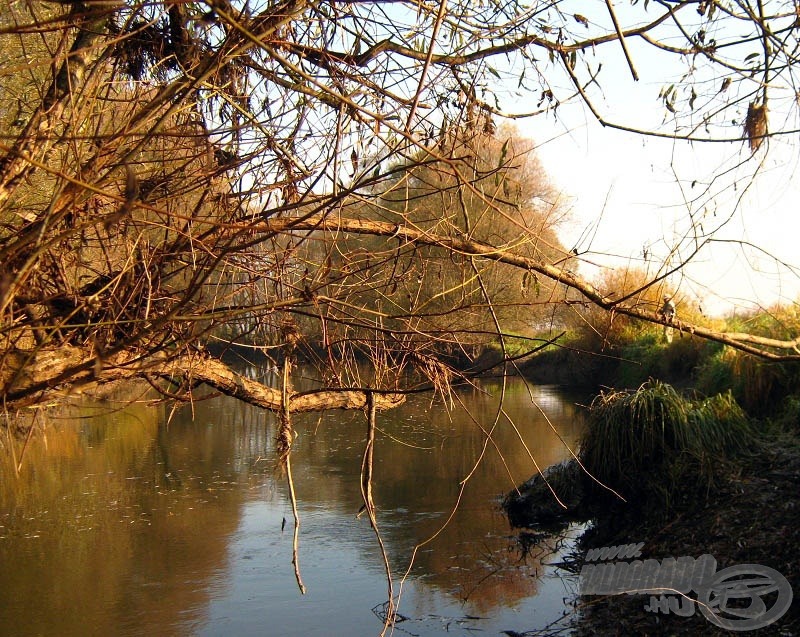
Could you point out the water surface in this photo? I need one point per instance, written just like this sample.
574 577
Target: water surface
141 519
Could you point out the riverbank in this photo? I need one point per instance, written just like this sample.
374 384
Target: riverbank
753 518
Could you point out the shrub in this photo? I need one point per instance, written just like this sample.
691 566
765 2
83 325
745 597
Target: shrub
715 374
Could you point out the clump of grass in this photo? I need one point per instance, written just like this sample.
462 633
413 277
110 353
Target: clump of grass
651 443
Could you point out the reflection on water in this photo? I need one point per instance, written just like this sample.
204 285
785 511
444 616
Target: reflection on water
129 522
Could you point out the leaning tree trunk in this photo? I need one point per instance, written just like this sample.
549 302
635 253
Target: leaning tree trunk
32 377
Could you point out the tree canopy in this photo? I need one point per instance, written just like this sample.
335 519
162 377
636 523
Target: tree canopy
174 174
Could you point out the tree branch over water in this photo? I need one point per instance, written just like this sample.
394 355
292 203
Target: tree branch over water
768 348
331 179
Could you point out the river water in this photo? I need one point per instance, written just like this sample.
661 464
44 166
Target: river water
137 519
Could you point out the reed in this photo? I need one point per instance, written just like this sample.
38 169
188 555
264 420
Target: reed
650 443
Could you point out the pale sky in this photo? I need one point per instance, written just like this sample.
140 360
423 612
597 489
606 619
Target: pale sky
630 193
625 199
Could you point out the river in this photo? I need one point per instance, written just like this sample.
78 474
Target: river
141 519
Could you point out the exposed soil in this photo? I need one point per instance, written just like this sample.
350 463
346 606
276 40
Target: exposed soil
753 518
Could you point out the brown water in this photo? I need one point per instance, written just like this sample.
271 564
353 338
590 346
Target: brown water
124 521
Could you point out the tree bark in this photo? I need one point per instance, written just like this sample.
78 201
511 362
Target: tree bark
31 377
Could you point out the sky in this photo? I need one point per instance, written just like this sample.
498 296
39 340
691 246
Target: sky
630 195
624 199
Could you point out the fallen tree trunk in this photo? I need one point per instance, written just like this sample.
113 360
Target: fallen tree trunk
218 375
30 377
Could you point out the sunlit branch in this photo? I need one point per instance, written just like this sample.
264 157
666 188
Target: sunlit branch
752 344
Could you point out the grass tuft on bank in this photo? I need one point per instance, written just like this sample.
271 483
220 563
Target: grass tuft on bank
652 442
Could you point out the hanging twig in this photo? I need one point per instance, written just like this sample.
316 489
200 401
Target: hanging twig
283 441
296 536
283 445
27 440
369 507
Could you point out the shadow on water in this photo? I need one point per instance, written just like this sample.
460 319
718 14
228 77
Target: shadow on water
126 522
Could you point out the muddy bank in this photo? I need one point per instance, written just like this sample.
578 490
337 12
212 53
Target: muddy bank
752 517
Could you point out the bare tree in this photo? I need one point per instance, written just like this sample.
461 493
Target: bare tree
167 165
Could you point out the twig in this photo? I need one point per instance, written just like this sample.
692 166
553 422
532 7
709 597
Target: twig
296 536
18 465
369 506
424 74
622 40
284 447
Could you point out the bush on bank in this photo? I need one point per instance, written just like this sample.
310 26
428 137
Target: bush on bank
627 358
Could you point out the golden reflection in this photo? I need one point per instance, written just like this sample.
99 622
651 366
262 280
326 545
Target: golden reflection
423 456
105 529
123 517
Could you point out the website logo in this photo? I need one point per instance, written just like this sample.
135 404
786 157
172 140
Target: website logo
738 598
